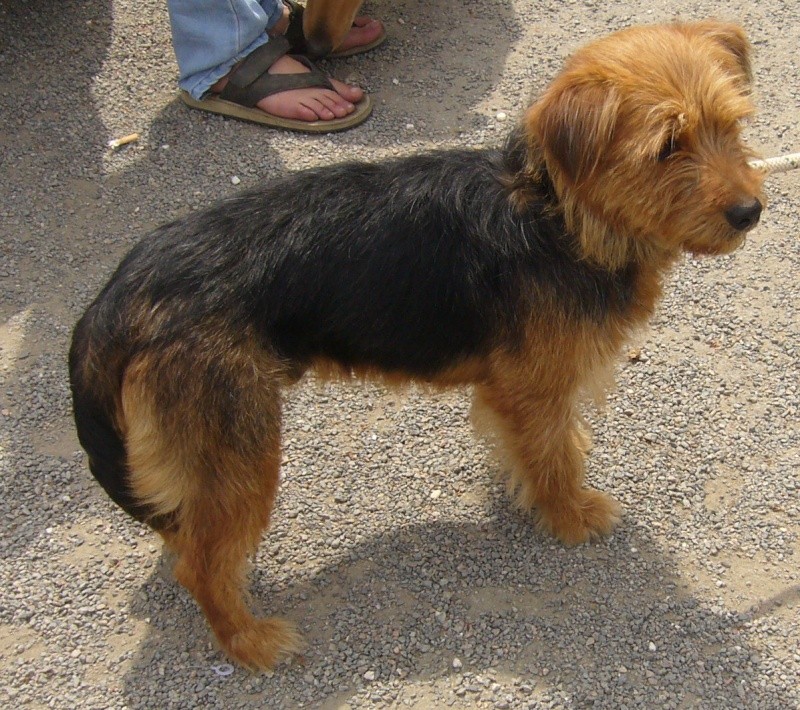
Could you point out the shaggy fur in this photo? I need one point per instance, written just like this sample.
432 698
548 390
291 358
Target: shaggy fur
519 271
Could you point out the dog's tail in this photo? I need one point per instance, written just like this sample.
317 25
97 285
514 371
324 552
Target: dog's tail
96 368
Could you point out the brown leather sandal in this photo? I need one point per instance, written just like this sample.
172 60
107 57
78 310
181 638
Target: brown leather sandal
251 81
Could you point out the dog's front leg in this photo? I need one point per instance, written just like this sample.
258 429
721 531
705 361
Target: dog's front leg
539 436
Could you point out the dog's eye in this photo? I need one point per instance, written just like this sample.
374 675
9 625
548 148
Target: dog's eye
669 147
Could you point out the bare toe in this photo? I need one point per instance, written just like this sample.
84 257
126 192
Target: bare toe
349 93
335 103
318 107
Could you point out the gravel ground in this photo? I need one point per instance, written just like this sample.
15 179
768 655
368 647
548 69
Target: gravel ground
414 583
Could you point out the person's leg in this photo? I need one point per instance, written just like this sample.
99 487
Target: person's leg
211 36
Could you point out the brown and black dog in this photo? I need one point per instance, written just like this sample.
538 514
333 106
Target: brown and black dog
520 271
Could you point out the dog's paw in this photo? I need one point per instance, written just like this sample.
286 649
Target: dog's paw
263 643
591 514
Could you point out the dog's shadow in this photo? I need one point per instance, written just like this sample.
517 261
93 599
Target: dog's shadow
456 605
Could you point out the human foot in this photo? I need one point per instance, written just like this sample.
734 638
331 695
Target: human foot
276 89
365 34
306 104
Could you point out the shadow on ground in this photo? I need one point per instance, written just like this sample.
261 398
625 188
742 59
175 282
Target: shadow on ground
600 623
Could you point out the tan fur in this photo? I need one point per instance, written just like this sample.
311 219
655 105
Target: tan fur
579 127
214 478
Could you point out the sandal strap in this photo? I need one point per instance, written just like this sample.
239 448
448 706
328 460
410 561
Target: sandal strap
251 81
294 32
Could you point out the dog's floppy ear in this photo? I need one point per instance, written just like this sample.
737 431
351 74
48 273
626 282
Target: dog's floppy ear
575 126
733 40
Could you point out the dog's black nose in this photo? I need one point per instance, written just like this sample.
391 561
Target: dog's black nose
744 215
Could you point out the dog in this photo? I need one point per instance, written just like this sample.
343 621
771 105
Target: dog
520 271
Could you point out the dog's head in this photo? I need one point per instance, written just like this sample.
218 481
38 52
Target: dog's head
641 136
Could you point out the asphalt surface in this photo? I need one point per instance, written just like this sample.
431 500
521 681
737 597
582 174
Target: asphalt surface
393 548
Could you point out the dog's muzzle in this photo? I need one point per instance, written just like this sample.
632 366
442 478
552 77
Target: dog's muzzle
743 216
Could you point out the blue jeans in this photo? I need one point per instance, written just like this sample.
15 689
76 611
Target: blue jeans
210 36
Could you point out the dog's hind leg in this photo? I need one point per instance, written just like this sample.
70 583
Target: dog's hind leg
217 534
208 462
540 443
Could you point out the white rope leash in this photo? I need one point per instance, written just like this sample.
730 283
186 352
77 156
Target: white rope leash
780 164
